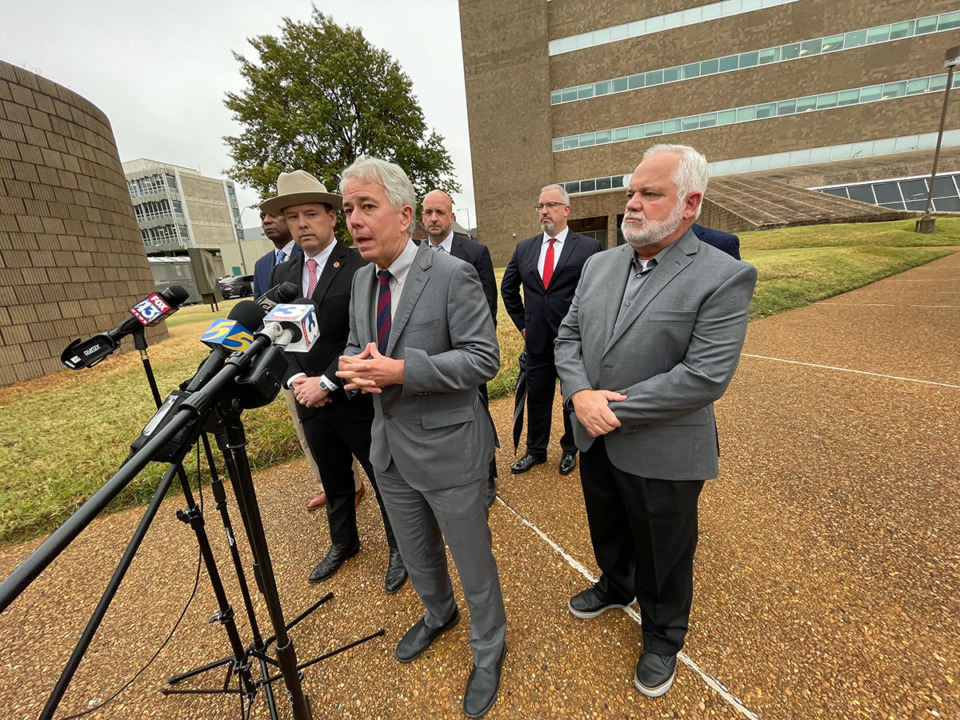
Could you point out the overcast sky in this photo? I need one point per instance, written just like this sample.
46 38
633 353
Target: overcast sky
159 70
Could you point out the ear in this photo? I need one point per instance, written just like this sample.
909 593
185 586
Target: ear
406 215
690 205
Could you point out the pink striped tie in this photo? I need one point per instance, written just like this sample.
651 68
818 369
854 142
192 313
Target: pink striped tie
311 276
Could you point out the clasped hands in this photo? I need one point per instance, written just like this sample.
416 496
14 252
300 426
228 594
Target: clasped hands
593 410
308 392
369 371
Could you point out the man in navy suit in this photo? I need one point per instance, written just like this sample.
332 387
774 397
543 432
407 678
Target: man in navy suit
730 244
548 268
284 248
438 219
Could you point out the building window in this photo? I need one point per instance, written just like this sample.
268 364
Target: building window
780 53
945 195
904 193
825 101
659 23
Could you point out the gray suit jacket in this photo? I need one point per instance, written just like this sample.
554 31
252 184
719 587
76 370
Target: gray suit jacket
433 426
673 354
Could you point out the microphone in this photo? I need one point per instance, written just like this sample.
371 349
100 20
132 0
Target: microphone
146 313
292 326
224 337
278 294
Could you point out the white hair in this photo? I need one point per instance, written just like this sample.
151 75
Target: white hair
564 195
394 180
691 175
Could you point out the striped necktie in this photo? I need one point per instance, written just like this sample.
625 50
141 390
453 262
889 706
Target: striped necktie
383 312
281 256
311 276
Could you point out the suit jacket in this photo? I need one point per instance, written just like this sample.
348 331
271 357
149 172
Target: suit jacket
730 244
477 254
332 298
540 311
263 269
673 354
434 426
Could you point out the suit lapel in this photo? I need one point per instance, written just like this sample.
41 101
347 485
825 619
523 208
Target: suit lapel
456 247
413 286
617 283
569 247
533 259
677 258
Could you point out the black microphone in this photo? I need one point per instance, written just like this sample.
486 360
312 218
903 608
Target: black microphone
245 313
279 294
146 313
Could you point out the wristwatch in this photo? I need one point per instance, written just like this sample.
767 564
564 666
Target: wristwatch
325 384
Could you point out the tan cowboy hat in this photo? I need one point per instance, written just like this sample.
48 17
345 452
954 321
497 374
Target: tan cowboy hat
298 188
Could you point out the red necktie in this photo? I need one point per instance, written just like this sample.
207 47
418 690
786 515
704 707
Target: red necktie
311 276
548 265
383 312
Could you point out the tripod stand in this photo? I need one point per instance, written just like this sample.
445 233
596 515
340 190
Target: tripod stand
168 437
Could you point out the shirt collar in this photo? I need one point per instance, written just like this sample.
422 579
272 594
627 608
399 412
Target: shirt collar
322 257
286 249
560 236
446 243
400 267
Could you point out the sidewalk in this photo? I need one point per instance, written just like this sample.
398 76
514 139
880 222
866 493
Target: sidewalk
827 577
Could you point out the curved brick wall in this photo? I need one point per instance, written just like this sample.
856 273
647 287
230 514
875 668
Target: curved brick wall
71 258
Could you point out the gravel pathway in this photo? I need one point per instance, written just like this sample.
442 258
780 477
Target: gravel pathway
828 573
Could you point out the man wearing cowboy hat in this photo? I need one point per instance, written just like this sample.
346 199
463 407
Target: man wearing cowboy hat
337 426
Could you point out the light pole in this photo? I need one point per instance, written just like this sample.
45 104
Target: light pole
467 226
926 222
243 262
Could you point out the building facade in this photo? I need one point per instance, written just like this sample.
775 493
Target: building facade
178 208
560 91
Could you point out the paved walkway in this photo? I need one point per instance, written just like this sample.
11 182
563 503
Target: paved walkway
828 573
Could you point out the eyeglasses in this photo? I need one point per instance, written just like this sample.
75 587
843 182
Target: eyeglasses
550 205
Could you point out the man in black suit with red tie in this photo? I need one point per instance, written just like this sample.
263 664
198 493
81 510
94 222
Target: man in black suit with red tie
438 219
337 426
548 268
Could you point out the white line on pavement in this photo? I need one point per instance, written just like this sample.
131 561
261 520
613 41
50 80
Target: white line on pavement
711 681
858 372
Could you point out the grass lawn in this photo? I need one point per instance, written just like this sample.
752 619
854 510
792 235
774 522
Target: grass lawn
63 435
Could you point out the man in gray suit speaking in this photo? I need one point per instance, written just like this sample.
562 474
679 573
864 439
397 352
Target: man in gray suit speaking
652 339
422 342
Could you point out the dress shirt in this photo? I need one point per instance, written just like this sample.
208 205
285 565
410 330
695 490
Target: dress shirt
639 270
446 244
321 263
398 274
557 248
287 250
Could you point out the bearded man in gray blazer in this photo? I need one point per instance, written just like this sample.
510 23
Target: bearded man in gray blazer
422 342
652 339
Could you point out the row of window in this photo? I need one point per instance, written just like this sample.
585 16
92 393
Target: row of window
780 53
151 184
905 193
648 26
155 210
164 235
748 113
810 156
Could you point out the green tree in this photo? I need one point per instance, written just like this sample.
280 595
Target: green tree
320 97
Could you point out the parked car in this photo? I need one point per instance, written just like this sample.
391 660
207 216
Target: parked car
234 286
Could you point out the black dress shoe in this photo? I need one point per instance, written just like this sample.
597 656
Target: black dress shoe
482 688
396 572
655 673
527 462
337 556
593 602
418 638
568 463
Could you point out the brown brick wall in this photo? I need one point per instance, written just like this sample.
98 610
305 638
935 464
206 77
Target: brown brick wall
508 104
752 31
71 258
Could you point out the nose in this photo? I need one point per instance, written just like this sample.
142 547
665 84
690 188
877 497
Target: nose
634 204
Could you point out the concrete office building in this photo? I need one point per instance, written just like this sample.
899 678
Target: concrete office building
807 93
178 208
